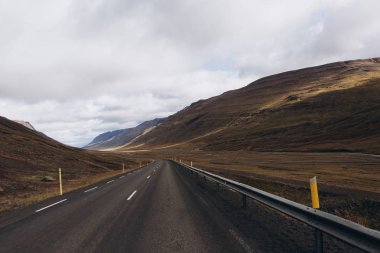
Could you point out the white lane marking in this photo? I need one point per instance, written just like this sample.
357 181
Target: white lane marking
131 195
241 241
147 177
203 201
110 181
121 176
91 189
56 203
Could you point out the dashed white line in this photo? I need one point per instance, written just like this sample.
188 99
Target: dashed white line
147 177
241 241
110 181
91 189
39 210
203 201
131 195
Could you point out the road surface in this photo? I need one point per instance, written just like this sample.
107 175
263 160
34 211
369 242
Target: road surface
154 209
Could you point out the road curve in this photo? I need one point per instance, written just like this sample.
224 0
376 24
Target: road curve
154 209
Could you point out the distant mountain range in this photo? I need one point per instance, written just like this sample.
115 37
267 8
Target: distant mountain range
333 107
119 138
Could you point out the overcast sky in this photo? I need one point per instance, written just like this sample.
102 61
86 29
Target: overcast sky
75 69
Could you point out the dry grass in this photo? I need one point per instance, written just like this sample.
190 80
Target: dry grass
345 170
20 199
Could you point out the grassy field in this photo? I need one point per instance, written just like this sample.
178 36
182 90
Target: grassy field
20 188
44 190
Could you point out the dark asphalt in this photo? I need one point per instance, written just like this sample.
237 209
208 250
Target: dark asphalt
167 213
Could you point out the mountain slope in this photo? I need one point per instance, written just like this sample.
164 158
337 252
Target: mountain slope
27 156
121 137
332 107
25 124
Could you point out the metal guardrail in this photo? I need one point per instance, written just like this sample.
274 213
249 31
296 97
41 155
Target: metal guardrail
347 231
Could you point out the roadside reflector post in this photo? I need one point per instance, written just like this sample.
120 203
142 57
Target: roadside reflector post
314 192
191 163
180 161
123 168
315 204
60 181
140 163
244 199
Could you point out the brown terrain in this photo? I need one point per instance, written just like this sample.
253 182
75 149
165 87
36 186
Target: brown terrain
279 131
28 158
273 134
334 107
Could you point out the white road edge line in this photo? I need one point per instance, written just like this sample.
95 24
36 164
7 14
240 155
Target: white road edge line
121 176
56 203
110 181
147 177
91 189
131 195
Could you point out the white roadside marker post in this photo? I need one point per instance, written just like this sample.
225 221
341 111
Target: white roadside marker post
60 181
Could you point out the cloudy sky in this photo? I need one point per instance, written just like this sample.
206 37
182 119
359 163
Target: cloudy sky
77 68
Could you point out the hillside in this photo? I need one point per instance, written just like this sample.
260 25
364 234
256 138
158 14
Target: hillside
25 124
118 138
333 107
27 156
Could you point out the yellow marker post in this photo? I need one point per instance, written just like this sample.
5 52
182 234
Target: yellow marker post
314 192
123 168
60 181
140 163
191 163
180 160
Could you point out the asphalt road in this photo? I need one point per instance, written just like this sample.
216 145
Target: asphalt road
154 209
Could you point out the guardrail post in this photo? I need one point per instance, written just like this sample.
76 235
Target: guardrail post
318 241
352 234
244 199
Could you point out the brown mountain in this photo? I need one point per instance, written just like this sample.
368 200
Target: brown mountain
28 156
333 107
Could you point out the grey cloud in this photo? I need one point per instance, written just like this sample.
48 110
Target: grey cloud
77 68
